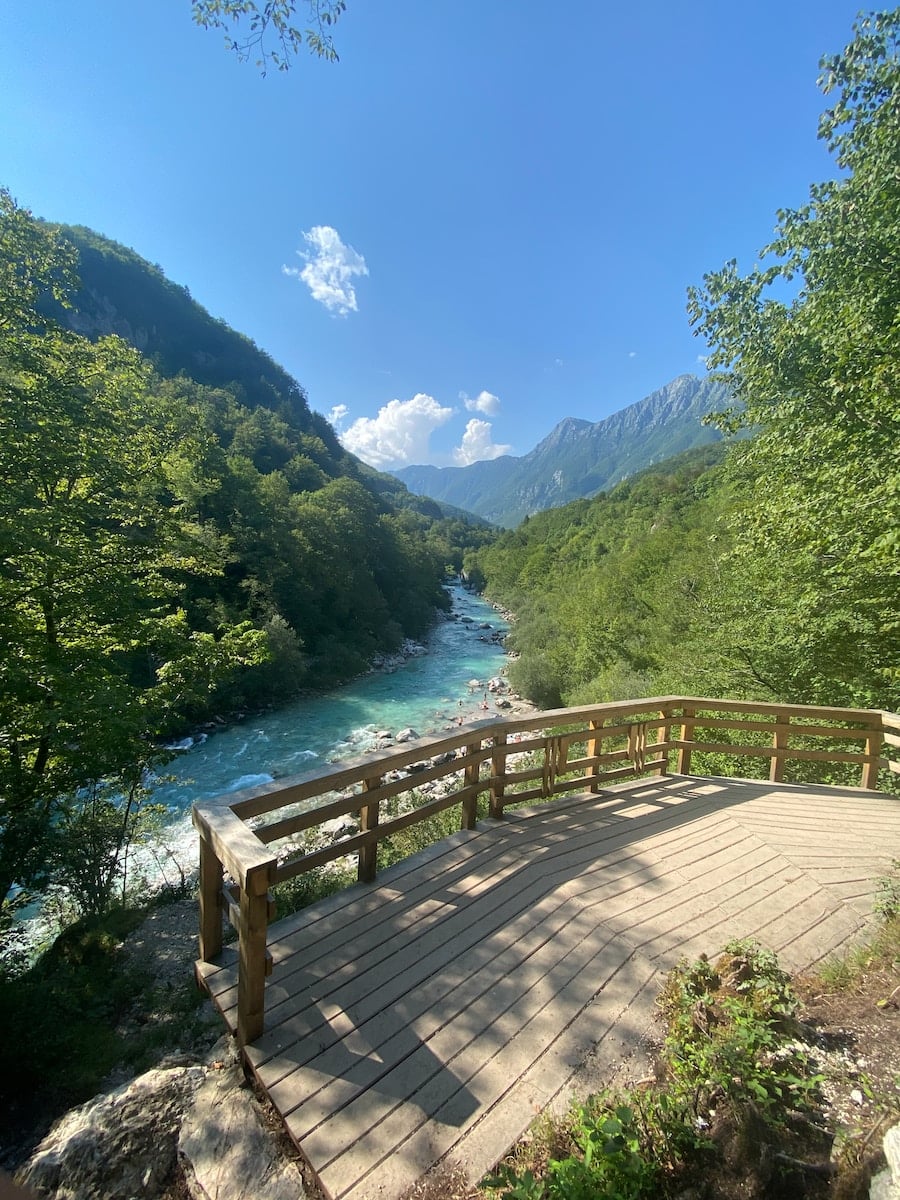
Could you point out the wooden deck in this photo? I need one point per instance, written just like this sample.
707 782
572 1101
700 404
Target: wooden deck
427 1018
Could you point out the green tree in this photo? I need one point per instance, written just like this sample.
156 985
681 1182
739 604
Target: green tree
96 546
818 375
35 261
255 20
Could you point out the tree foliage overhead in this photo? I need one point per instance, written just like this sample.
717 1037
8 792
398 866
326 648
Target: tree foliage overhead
255 21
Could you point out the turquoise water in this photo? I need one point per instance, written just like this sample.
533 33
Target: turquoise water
427 693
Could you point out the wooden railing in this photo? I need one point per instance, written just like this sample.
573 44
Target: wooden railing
509 761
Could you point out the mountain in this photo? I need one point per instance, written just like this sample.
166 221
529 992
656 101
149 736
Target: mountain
578 458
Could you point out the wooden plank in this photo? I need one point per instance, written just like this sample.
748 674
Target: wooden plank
831 756
499 778
610 988
452 932
820 712
597 1040
368 820
390 1036
769 724
479 1068
430 1013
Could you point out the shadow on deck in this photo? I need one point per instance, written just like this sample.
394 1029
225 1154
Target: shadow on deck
427 1018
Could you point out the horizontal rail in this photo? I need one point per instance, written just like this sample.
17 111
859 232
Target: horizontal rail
247 837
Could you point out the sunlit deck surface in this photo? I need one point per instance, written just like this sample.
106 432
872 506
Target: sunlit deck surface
427 1018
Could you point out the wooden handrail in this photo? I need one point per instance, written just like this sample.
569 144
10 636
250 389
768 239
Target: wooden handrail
621 740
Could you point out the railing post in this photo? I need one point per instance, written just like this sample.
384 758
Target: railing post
662 736
367 865
779 745
472 773
498 775
637 743
593 751
874 743
687 734
211 876
252 955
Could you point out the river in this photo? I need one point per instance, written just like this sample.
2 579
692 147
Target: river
427 693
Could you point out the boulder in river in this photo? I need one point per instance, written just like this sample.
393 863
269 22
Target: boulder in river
340 827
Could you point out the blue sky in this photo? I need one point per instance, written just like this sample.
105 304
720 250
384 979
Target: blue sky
489 210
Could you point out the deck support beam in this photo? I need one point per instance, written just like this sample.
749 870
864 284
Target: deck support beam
252 955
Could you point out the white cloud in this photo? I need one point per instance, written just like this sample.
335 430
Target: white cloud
632 353
399 435
330 269
476 444
338 414
484 402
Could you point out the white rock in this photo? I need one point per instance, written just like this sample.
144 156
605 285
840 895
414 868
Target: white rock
883 1186
225 1149
120 1144
892 1150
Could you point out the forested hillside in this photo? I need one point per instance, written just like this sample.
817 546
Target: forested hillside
362 542
171 546
776 574
606 590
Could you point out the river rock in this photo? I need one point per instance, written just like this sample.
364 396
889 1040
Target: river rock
406 735
116 1146
338 828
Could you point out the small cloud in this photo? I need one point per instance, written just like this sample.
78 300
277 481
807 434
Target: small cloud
476 445
484 402
398 436
632 353
330 269
338 415
703 361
